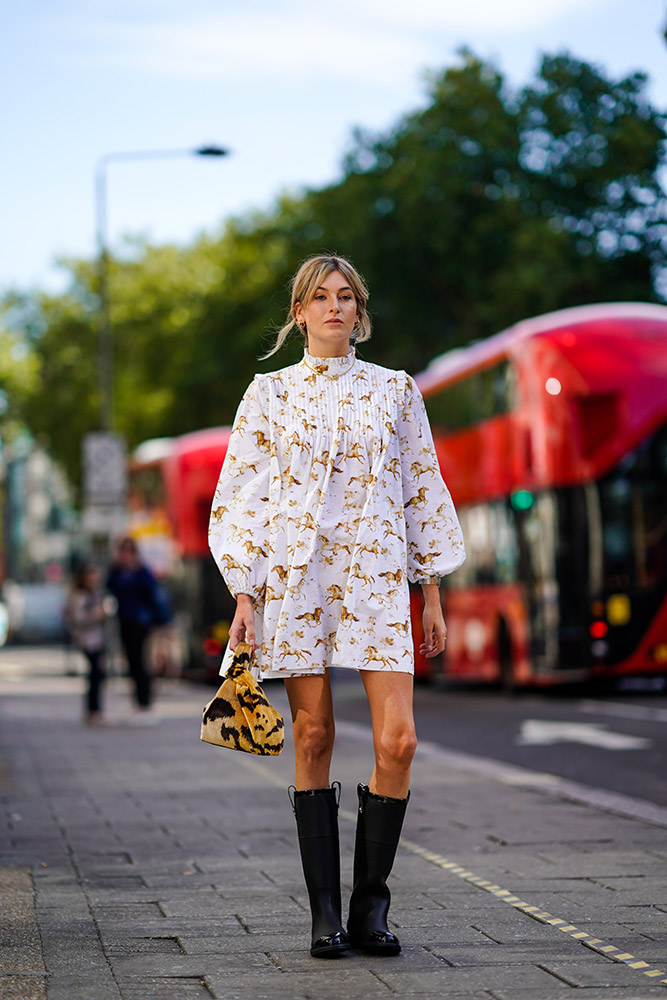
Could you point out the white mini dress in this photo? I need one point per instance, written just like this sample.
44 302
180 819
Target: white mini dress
330 500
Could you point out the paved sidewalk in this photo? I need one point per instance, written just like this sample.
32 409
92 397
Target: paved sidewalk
139 863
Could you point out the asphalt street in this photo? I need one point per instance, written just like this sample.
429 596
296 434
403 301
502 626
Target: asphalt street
617 741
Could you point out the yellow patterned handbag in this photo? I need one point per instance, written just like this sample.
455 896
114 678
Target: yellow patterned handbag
240 716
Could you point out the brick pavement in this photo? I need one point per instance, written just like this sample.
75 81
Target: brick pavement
139 863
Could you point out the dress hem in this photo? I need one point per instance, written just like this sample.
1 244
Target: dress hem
276 675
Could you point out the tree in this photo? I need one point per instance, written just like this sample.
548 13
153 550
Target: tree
490 206
483 208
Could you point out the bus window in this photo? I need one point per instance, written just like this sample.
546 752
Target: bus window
633 499
484 394
491 545
540 532
507 551
538 539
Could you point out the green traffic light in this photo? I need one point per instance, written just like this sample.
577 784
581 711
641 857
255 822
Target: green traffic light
522 500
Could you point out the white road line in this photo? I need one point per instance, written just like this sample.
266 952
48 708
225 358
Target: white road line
506 774
546 732
621 710
511 774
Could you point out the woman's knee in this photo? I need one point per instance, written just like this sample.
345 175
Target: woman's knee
397 749
313 740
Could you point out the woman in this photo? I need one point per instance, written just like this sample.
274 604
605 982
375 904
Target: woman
85 619
330 500
136 591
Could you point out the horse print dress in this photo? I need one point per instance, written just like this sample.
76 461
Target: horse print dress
330 500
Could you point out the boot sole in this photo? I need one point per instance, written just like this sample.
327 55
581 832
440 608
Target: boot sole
330 952
376 949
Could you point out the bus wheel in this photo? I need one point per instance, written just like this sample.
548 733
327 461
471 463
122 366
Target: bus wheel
505 665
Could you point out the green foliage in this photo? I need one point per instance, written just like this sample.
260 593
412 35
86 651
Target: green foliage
19 367
485 207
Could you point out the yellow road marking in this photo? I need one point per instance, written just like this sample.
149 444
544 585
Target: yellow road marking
503 895
506 896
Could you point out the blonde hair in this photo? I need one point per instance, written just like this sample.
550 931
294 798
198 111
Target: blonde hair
305 283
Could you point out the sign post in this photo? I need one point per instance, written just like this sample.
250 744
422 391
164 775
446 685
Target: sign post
104 485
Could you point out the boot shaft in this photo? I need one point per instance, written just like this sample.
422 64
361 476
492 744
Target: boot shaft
379 824
316 813
316 810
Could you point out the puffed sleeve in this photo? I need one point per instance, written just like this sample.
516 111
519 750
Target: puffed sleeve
239 524
434 538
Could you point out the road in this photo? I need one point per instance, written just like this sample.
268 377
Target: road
616 742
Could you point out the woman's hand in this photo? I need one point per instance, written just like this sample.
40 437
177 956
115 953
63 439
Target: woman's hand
435 630
243 623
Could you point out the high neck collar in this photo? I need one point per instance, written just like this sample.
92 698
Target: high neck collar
330 366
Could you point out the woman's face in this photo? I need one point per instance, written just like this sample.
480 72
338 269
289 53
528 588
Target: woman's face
330 317
127 555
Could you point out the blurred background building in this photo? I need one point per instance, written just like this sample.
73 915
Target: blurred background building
40 540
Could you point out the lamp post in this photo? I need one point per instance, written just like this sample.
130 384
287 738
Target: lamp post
105 332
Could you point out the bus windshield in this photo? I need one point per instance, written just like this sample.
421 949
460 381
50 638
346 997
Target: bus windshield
633 508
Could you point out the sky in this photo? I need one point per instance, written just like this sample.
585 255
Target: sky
281 84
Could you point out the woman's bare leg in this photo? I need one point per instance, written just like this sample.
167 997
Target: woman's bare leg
313 729
394 738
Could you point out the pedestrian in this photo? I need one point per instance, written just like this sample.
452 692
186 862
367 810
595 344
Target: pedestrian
139 609
85 616
330 500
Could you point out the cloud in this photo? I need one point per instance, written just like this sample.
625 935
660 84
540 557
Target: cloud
367 41
291 46
473 15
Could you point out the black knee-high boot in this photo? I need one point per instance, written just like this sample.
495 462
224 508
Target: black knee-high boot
316 812
379 823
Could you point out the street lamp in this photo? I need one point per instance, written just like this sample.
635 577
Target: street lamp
105 334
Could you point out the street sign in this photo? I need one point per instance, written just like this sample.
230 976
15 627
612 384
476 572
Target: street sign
104 469
106 520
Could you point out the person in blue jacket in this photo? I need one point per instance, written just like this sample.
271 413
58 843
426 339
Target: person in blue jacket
140 607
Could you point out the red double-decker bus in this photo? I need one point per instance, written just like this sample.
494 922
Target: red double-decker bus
172 482
552 437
